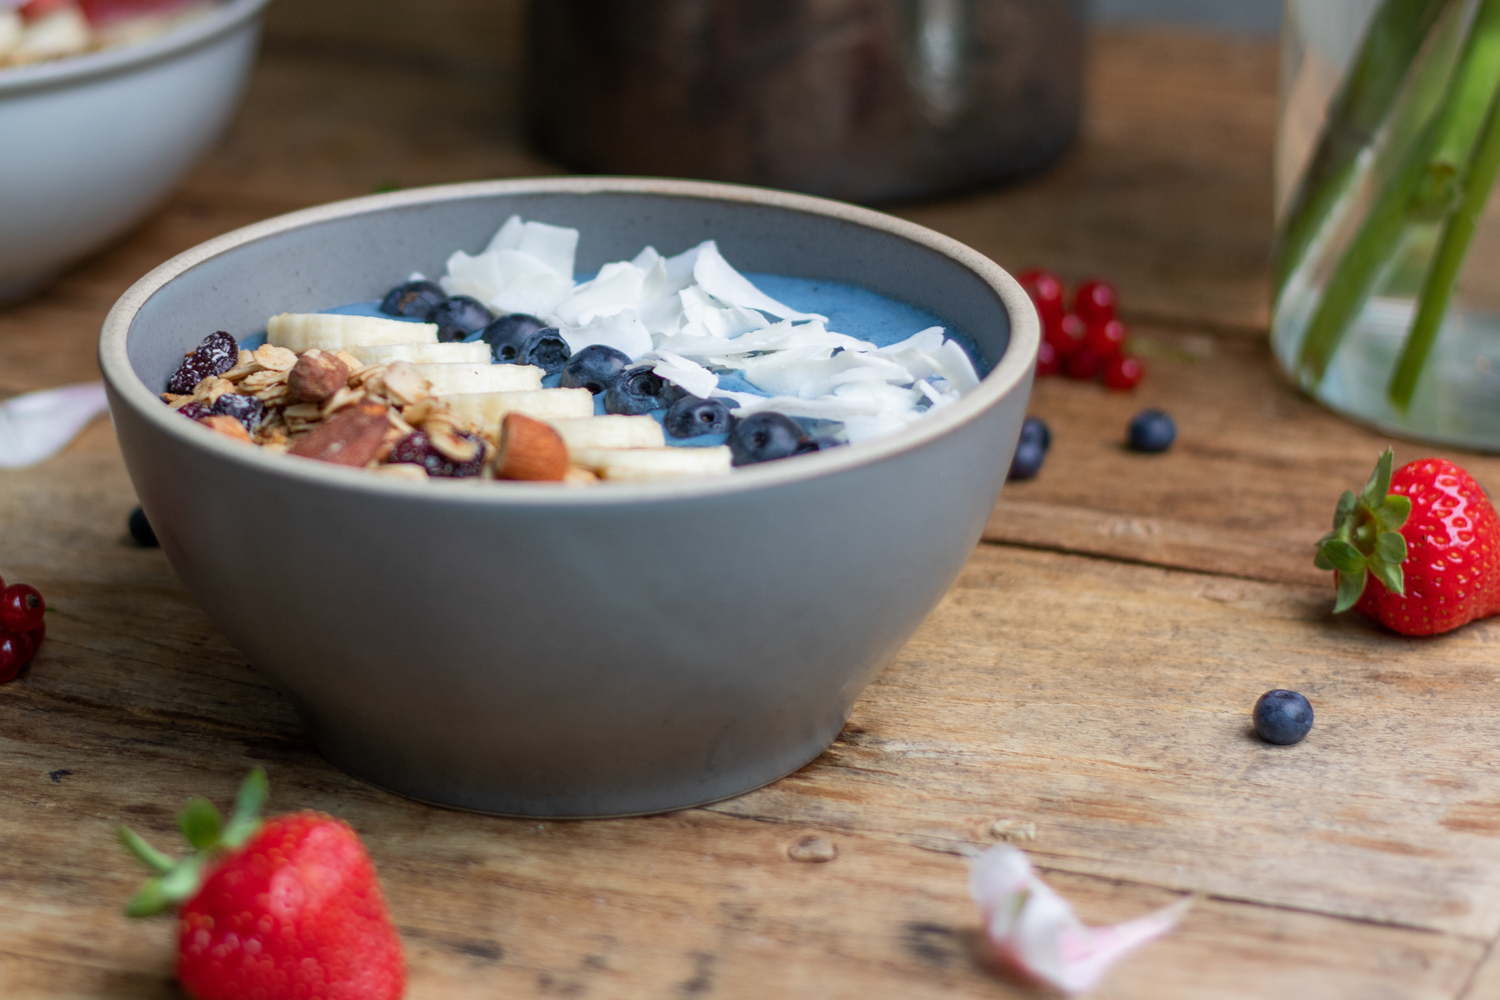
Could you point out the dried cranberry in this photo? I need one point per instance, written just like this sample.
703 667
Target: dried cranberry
195 411
215 356
246 409
416 448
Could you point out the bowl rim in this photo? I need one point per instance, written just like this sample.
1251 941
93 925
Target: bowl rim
1012 369
57 73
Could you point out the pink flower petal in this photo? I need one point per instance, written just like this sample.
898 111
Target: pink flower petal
1034 932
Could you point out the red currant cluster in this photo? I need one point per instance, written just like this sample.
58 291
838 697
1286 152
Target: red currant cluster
1087 342
21 628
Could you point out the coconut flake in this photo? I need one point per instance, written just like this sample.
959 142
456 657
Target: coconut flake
1033 931
680 371
617 288
621 331
730 286
553 246
37 425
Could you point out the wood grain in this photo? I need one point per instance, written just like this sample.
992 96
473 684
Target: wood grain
1091 672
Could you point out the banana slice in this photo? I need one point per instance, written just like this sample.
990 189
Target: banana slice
487 409
300 332
610 431
477 353
652 463
450 379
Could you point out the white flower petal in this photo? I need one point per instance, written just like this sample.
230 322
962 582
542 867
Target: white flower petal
37 425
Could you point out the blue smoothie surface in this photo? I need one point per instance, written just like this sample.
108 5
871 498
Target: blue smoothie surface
851 310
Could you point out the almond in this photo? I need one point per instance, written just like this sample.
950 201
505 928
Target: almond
316 377
530 449
277 359
227 426
350 437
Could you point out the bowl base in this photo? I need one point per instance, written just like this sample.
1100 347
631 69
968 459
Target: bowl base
520 805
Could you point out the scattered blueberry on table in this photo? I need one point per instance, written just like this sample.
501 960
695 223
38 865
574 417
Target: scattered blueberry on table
1151 431
1031 449
1282 717
141 530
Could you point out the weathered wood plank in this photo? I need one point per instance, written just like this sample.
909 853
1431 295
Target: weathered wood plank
1247 490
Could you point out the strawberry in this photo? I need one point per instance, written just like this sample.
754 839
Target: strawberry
1428 536
285 909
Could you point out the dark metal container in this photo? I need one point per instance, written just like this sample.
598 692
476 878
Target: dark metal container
865 100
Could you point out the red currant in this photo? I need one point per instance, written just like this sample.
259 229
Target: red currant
1123 372
1108 339
21 607
1067 336
36 636
1095 302
1046 293
1047 361
15 653
1083 364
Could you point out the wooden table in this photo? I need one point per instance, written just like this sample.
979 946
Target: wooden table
1091 672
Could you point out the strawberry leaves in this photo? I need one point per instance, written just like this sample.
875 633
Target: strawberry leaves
178 880
1366 537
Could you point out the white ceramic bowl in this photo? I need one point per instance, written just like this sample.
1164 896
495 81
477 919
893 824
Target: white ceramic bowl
89 145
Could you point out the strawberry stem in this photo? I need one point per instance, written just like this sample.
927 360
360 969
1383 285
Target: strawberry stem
1366 537
178 880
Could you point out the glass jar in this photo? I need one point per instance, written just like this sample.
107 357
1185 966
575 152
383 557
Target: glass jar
1338 162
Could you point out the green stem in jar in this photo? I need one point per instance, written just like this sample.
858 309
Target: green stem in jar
1394 38
1426 188
1453 244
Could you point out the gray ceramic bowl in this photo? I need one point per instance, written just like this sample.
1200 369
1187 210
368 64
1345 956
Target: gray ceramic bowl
545 651
90 144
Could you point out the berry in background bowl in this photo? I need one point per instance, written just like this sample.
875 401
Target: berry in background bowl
94 141
532 649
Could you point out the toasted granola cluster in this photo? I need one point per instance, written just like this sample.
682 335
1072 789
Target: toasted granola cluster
327 406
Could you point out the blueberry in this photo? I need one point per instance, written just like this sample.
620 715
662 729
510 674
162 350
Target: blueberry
215 356
1034 430
546 349
1152 430
246 409
763 437
459 316
593 368
141 530
640 390
507 335
692 417
416 299
1028 459
1282 717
